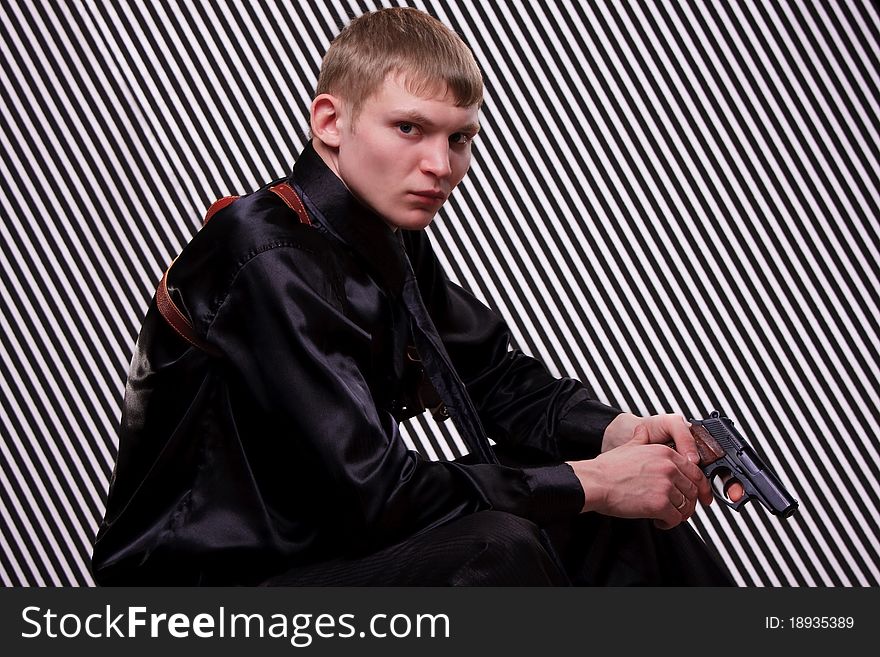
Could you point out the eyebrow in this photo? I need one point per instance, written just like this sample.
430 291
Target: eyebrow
417 117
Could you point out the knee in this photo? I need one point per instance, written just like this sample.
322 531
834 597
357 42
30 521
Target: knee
507 550
505 532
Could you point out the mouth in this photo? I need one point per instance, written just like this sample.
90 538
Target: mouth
431 195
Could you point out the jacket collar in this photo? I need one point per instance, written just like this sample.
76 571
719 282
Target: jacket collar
336 209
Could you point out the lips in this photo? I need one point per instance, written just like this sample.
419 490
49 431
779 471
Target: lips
430 195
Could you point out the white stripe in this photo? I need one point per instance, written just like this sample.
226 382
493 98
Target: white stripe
160 93
41 445
88 441
80 299
424 445
581 92
407 439
732 563
282 52
649 321
121 130
17 577
69 169
829 95
76 108
42 539
251 94
51 157
840 160
863 40
163 143
41 535
838 57
457 441
23 548
483 278
76 301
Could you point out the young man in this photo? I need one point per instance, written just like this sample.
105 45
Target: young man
263 446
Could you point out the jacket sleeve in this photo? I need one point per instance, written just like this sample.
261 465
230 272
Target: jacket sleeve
519 401
304 361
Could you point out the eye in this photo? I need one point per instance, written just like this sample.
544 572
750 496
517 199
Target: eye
406 128
460 138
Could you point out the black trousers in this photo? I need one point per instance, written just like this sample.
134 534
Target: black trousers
493 548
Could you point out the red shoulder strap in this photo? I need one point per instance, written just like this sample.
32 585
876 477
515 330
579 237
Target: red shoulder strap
166 306
176 319
289 196
218 205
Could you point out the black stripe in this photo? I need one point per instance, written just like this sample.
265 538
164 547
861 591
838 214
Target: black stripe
72 489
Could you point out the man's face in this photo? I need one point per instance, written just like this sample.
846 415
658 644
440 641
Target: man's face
405 154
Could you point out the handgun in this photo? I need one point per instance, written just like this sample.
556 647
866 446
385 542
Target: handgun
726 457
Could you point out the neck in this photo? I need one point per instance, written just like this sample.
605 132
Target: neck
330 156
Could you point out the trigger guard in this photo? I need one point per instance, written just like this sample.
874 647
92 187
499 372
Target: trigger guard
721 496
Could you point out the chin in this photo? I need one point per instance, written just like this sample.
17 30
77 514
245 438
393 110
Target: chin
413 222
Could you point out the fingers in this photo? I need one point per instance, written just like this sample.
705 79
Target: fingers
693 474
704 489
733 489
679 430
680 507
672 430
704 493
684 499
690 487
645 479
677 510
684 487
641 435
684 505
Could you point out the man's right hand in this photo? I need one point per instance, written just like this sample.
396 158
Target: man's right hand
639 479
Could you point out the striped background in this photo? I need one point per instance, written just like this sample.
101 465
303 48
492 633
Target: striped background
676 202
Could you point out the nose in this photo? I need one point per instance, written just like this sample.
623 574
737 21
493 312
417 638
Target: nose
435 159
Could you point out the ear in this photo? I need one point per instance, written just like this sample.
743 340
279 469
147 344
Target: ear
326 119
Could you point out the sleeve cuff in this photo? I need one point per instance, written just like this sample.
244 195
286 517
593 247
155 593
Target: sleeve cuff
556 493
581 428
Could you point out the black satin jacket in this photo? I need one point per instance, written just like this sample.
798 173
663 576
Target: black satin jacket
285 449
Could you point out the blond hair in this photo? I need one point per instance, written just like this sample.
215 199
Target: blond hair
431 58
